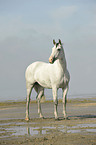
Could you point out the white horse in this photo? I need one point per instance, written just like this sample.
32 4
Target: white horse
53 75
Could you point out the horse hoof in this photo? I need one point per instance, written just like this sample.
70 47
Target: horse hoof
66 118
56 118
41 117
27 119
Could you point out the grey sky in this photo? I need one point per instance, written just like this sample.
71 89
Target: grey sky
27 29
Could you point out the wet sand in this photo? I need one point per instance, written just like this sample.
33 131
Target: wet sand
79 128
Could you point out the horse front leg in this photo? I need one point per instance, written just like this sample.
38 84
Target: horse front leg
65 101
27 103
55 99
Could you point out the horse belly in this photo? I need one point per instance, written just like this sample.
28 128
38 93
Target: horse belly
43 79
45 84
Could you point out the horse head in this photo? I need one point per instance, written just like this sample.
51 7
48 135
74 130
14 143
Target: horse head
57 52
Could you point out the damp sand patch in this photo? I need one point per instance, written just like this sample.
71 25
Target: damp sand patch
46 127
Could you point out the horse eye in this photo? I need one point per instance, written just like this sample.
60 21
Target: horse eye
58 49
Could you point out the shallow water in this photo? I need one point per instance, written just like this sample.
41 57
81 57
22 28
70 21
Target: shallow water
25 129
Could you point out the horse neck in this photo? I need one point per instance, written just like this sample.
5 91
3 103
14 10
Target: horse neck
61 63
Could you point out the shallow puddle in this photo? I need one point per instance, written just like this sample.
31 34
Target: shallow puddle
91 130
23 128
84 125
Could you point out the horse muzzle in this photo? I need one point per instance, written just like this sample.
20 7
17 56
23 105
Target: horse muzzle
51 59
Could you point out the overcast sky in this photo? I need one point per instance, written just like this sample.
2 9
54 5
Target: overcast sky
27 28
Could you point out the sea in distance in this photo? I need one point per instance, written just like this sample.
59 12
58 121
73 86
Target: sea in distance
48 96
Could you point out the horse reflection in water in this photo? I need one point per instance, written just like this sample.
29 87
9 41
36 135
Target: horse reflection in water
35 131
53 75
46 130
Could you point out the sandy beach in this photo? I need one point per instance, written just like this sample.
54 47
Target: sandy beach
79 128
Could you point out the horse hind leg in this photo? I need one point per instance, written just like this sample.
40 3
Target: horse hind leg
39 103
40 93
29 90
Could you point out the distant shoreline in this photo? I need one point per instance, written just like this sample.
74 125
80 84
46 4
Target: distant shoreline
69 100
50 98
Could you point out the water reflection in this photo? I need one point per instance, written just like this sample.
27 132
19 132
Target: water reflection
35 131
61 128
29 130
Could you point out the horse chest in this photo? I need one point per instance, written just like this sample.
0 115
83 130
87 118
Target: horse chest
58 80
61 82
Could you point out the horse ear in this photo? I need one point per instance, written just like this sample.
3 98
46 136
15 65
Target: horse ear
59 41
54 42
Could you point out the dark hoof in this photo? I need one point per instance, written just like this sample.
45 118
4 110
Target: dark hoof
66 118
42 117
56 119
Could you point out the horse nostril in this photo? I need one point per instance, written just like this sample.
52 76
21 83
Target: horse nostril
50 59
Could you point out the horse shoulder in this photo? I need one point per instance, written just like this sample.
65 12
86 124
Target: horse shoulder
31 70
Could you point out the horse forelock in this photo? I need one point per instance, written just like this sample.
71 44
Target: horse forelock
57 44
